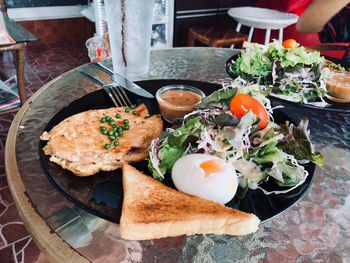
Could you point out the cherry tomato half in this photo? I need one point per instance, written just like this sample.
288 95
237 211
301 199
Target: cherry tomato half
241 103
290 43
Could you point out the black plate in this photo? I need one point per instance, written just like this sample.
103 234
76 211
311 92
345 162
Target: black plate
102 193
333 107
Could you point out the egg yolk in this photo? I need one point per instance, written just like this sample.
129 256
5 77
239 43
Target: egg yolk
210 167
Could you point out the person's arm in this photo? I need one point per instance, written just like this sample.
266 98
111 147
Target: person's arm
318 13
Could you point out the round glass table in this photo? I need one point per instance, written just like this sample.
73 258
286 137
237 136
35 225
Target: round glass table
314 229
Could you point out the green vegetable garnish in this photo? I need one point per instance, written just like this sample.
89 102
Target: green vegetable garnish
193 127
112 122
112 137
169 155
125 121
110 133
116 143
338 67
120 133
103 119
118 116
225 119
126 127
127 109
107 146
219 96
297 143
104 132
134 112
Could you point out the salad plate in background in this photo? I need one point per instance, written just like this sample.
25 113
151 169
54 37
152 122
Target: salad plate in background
293 77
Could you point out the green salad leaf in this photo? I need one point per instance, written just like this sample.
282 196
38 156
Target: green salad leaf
267 154
169 155
225 119
255 62
192 126
155 173
278 164
297 142
291 57
220 96
286 174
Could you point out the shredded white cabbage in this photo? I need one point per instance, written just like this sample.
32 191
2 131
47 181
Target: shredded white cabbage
153 156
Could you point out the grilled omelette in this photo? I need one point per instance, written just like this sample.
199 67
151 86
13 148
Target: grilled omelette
78 145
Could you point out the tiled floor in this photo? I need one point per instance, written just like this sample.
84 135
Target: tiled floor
43 63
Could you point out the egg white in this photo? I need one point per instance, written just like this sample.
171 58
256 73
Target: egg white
190 178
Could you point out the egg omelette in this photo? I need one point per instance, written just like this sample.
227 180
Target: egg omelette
80 144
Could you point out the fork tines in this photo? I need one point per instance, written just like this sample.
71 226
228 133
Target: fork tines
115 92
118 96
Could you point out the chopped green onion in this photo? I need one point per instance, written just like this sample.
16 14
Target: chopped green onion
105 132
103 119
126 127
127 110
112 122
116 143
135 112
107 146
112 137
133 106
120 133
126 121
110 133
118 116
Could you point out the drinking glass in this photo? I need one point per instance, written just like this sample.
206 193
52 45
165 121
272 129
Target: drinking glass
130 27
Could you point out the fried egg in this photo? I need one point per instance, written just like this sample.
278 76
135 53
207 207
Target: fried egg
206 176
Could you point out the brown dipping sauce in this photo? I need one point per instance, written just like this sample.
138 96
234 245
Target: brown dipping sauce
177 103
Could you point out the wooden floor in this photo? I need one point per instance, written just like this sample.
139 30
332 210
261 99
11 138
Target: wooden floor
43 63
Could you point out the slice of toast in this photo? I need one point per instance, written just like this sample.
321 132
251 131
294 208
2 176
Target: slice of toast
152 210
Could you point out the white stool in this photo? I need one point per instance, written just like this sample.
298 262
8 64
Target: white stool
263 18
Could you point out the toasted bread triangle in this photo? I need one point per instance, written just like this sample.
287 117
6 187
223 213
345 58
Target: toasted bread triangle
152 210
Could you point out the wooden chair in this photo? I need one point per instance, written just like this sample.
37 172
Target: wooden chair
21 36
3 6
215 37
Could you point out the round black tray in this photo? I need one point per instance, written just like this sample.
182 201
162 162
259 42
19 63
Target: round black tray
102 193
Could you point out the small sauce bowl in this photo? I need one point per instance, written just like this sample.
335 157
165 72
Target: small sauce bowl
175 101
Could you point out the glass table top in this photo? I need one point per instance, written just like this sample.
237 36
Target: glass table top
316 228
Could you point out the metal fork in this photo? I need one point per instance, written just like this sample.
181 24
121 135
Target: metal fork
116 93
